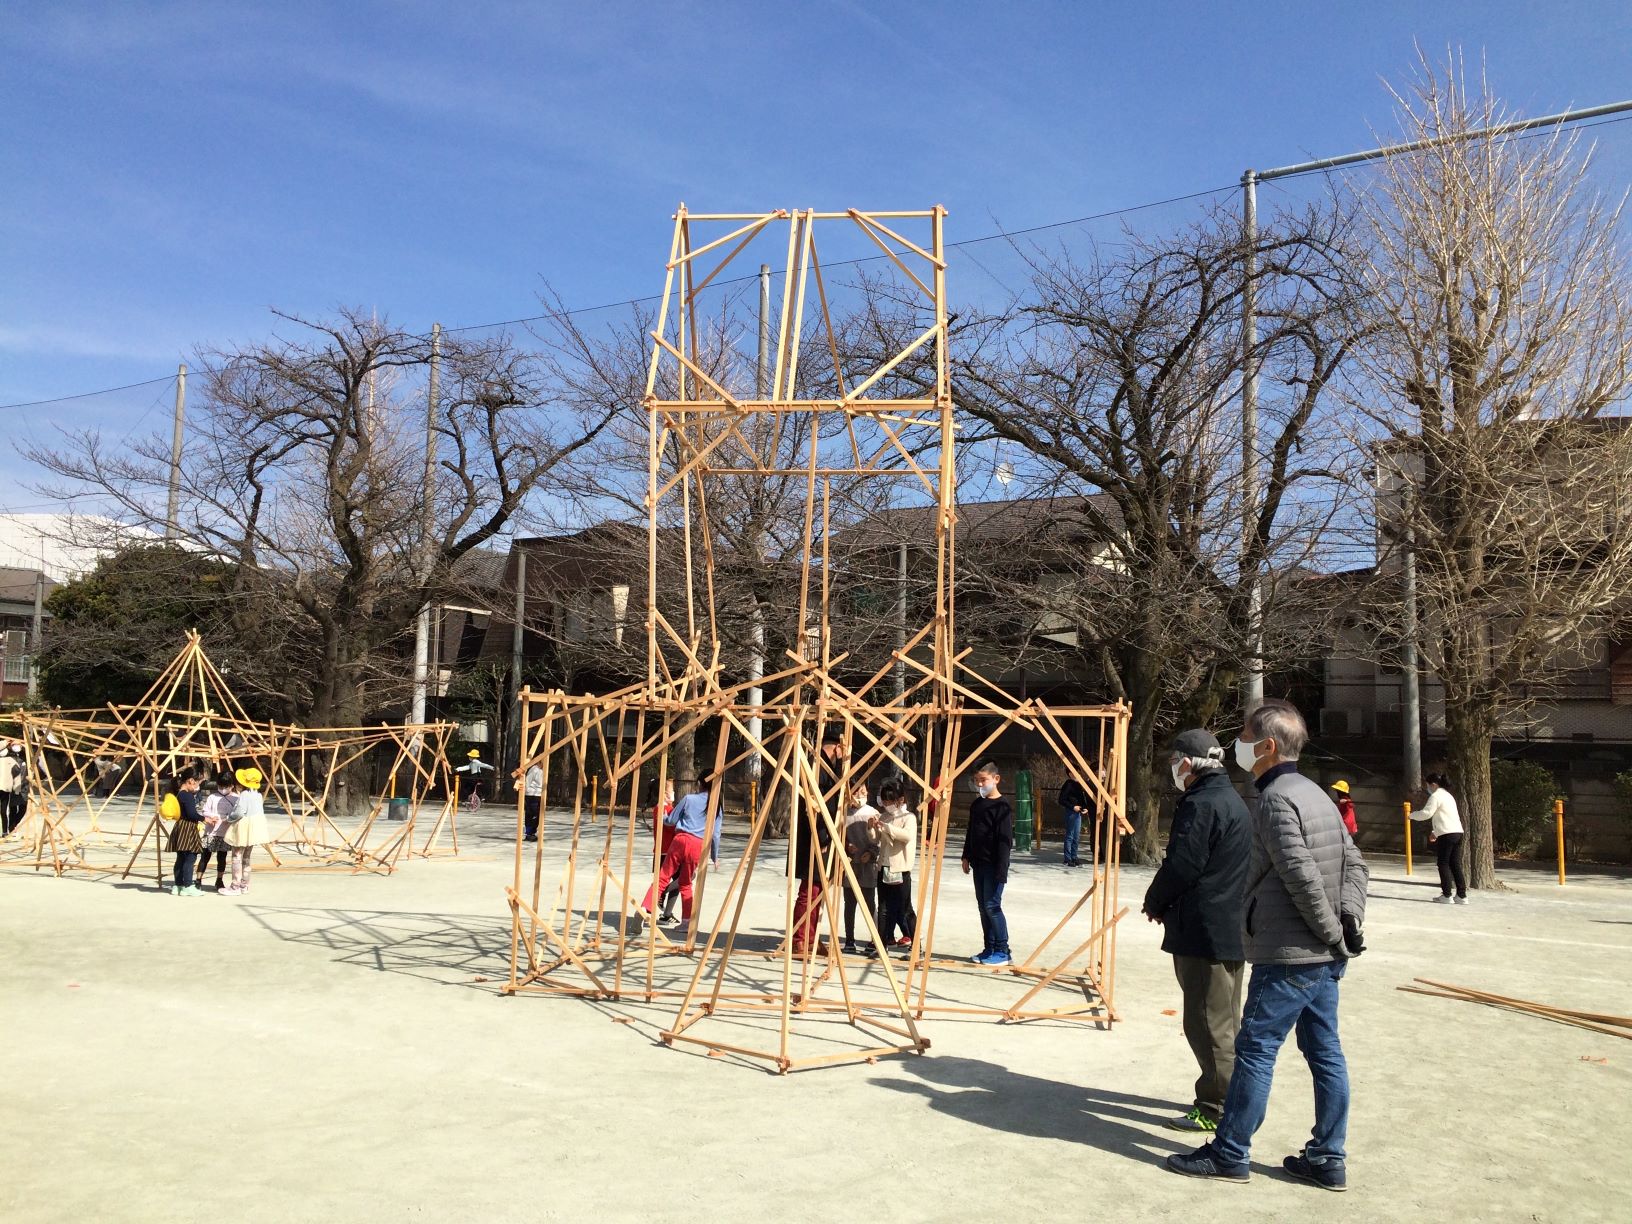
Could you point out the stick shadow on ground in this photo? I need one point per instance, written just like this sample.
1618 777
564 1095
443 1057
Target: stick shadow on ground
986 1094
466 950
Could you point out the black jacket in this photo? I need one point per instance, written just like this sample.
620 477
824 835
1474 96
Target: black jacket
1200 889
1072 795
989 839
807 841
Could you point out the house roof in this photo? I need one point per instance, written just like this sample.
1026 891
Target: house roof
17 585
1061 517
607 554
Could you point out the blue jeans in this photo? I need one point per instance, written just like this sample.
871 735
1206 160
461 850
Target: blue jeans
1073 832
994 927
1279 999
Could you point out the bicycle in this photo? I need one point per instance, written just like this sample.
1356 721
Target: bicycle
473 801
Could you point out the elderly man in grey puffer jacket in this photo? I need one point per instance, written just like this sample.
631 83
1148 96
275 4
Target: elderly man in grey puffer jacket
1305 905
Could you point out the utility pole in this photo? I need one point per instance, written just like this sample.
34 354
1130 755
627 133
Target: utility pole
1252 683
900 620
36 638
422 626
515 649
756 612
1410 695
173 503
1252 689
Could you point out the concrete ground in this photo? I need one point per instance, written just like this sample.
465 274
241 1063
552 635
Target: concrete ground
322 1050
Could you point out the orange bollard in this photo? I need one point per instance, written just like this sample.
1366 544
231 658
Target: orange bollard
1407 806
594 796
753 801
1558 815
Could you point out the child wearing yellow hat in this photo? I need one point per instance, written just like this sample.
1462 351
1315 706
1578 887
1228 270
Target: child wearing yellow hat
247 830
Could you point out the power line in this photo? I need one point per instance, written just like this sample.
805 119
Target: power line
995 236
63 399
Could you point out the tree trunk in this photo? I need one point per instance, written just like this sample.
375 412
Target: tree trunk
1468 732
685 761
1146 844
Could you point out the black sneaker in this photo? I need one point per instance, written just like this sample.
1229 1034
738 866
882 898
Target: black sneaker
634 927
849 947
1328 1176
1200 1163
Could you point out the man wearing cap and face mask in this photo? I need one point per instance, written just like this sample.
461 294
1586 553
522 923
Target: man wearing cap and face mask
1197 897
1305 903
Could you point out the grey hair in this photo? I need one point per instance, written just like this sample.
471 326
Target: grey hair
1200 765
1280 721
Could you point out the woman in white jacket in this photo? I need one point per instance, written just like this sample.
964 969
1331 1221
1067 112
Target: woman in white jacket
1445 834
897 831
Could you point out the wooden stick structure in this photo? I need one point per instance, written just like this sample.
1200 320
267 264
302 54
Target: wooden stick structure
88 769
812 728
1597 1022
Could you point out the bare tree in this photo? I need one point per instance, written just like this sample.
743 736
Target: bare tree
304 472
1500 336
1115 374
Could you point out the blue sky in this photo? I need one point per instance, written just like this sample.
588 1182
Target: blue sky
172 171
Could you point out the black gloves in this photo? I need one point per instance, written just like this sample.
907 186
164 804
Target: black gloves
1353 936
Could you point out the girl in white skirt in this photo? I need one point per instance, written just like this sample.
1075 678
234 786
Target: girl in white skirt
248 828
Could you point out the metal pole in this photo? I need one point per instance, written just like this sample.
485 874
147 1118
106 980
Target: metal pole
900 620
1410 694
173 503
1252 681
515 652
762 381
34 645
756 612
1498 129
422 624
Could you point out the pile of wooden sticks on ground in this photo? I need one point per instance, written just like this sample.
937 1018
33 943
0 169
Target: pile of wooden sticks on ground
1614 1026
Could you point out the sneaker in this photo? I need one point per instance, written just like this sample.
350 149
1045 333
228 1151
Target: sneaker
1200 1163
192 890
903 942
979 958
997 958
1442 900
1461 900
634 927
849 947
869 952
1195 1120
232 890
175 890
1328 1176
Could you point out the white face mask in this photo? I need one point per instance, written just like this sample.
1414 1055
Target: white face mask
985 789
1178 778
1244 754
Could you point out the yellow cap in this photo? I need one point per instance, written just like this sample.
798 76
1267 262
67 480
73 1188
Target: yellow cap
1340 786
250 777
475 752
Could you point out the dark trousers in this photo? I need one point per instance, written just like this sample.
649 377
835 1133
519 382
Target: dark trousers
1212 1013
994 926
220 865
529 815
1448 854
895 911
868 894
185 860
13 806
